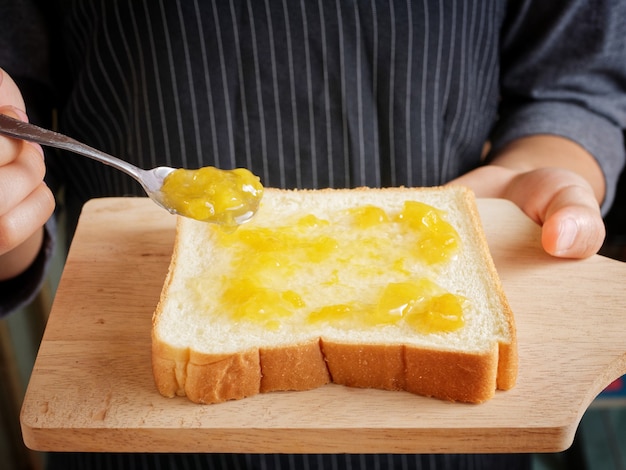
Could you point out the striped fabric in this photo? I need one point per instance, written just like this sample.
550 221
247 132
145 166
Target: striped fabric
326 93
287 462
307 94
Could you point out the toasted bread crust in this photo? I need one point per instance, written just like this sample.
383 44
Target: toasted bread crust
214 378
299 367
508 364
452 375
447 375
366 366
230 376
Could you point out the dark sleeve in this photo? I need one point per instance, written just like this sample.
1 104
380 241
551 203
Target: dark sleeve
21 290
25 52
27 48
564 73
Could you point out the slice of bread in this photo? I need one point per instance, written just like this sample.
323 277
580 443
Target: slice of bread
343 286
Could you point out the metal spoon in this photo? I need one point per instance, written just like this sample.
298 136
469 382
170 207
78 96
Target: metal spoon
150 180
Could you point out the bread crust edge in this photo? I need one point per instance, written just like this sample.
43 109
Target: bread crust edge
444 374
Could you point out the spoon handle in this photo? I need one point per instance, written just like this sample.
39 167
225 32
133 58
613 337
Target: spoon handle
26 131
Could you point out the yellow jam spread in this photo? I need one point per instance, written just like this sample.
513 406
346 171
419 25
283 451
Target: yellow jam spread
438 238
421 304
224 197
290 271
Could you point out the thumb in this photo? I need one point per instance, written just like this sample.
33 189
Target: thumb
9 92
564 204
572 229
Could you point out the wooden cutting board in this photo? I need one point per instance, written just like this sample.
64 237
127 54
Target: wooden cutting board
91 388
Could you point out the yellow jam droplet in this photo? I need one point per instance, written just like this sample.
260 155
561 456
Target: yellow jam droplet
311 221
422 304
441 313
368 216
397 299
224 197
334 314
248 301
438 240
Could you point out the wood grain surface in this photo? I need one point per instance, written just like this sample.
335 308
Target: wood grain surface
92 390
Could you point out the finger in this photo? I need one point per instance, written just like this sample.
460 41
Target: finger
16 261
22 221
9 150
573 228
9 147
9 92
11 104
20 177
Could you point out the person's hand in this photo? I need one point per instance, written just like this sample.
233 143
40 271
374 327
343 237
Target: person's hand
561 201
556 183
26 202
